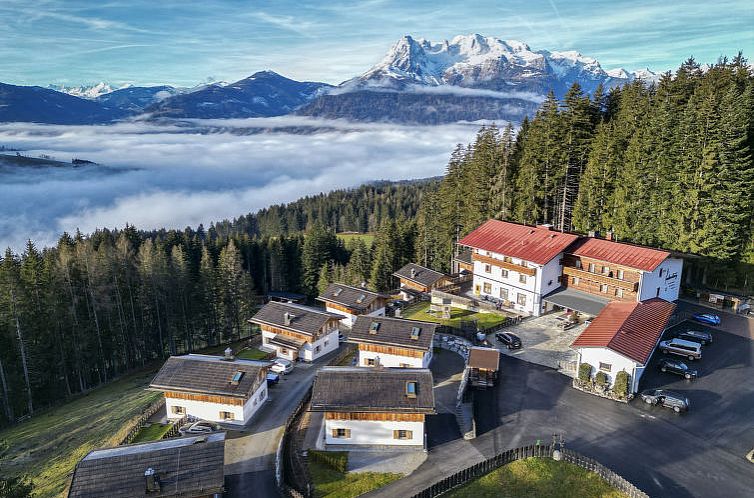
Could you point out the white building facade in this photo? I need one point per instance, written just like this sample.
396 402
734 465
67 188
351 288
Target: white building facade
663 282
373 432
610 363
226 410
368 358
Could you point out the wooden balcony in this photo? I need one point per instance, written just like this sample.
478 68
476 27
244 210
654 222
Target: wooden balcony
600 278
504 264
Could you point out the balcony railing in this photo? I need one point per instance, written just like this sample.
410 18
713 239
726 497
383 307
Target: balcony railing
504 264
601 278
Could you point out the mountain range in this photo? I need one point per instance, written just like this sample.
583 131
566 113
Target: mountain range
468 78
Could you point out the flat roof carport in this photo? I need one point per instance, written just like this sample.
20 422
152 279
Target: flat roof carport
576 300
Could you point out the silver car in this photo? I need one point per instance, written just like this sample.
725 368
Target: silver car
682 347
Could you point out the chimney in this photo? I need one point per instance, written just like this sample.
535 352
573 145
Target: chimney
413 272
609 235
594 234
288 317
152 480
363 285
228 355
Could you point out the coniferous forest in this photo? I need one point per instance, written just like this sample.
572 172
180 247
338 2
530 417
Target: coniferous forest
665 165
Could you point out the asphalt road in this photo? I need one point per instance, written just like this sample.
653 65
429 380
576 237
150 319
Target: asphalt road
250 455
696 454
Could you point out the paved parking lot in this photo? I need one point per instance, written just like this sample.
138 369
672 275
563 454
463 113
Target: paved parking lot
543 341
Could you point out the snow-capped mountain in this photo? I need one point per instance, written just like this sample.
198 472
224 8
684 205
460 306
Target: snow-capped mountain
87 91
476 61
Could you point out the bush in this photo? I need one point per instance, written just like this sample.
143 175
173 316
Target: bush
585 372
600 378
620 387
338 460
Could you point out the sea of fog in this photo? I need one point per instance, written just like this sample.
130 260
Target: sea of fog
181 174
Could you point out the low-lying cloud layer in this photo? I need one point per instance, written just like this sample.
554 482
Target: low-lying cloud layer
183 174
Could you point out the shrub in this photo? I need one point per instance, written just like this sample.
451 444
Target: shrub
620 387
338 460
585 372
600 378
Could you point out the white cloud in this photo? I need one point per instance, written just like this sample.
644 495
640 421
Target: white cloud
439 90
199 171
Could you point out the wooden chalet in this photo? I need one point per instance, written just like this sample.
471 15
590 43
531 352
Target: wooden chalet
393 342
352 302
188 467
297 332
373 407
416 279
219 389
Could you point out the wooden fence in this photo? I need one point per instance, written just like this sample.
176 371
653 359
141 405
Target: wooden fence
532 451
139 423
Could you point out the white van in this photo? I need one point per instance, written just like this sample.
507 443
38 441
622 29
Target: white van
682 347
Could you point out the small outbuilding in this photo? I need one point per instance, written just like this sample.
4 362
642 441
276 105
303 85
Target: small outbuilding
483 364
189 467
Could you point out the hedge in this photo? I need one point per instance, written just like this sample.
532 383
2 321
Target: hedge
620 387
585 372
600 378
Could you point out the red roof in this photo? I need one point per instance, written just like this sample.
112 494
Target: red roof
639 257
628 328
536 244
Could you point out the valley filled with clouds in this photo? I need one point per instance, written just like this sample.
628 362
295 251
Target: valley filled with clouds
184 173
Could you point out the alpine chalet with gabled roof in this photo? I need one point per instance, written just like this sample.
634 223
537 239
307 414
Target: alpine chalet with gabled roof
352 302
393 342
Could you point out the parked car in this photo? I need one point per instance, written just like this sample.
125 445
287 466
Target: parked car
701 336
511 341
706 318
677 367
200 427
682 347
272 378
281 366
669 399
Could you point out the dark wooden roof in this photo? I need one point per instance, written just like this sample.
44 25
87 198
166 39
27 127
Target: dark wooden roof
367 389
484 358
208 375
356 298
423 276
186 467
393 332
306 319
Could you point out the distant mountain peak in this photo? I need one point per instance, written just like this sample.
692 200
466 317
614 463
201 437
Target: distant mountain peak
88 91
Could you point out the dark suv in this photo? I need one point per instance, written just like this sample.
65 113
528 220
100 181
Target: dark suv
511 341
700 336
677 367
669 399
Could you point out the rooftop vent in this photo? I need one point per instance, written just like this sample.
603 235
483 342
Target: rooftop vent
152 480
288 317
361 298
337 292
228 355
374 327
610 235
594 233
547 226
415 332
411 388
413 272
236 379
363 285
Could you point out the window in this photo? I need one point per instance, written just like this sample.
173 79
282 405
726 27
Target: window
374 327
507 259
236 378
521 299
578 264
661 272
591 267
575 280
603 288
488 268
605 367
227 416
619 274
487 288
504 273
327 341
522 278
361 298
341 433
618 292
337 292
411 389
317 349
415 332
658 292
369 362
605 270
178 410
504 294
403 434
283 351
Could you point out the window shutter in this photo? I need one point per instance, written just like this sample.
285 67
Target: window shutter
335 433
409 434
348 433
396 435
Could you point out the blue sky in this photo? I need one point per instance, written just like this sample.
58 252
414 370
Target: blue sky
185 42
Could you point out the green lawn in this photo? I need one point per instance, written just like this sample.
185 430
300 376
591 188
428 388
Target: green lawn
368 238
419 311
48 446
331 483
252 354
538 478
152 432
